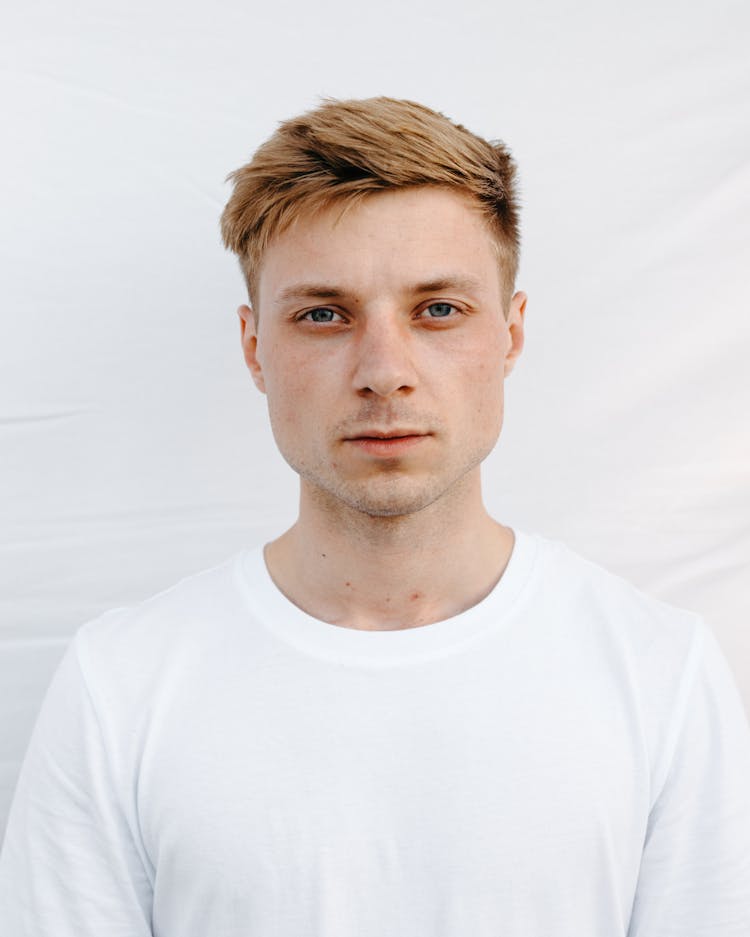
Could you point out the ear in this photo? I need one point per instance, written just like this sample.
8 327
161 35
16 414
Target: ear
515 330
249 338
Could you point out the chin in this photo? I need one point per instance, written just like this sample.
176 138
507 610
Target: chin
392 509
366 499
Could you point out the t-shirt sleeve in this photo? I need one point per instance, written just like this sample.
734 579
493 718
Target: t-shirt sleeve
69 865
694 878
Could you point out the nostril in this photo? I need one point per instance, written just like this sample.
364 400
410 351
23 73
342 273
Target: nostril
376 391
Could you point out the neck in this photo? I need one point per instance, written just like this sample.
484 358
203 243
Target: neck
384 573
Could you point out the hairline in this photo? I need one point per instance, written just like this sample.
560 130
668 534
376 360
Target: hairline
346 201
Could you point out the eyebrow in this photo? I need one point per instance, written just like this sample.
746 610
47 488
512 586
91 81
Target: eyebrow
309 291
458 282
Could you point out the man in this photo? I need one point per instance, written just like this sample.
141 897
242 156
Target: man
400 717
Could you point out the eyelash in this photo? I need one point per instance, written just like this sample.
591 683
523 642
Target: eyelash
305 315
440 303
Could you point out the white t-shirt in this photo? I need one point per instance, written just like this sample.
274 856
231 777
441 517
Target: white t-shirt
568 758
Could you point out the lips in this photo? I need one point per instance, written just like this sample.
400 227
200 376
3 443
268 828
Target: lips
387 443
387 434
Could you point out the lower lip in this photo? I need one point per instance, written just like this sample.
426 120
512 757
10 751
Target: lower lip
386 447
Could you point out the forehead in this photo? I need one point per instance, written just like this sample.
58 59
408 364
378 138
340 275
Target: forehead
387 240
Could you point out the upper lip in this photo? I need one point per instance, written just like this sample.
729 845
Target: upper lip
386 433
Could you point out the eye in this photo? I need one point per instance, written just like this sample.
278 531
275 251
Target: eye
439 310
320 314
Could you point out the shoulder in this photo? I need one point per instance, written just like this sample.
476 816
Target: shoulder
651 643
661 661
137 647
580 584
176 606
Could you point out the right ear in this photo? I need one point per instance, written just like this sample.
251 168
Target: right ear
249 337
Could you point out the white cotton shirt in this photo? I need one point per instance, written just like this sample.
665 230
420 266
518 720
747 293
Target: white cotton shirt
569 757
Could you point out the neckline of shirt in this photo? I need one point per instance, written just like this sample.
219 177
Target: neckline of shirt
280 616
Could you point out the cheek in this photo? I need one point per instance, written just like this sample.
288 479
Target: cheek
291 392
484 389
480 363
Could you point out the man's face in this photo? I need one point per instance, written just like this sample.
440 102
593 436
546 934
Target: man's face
386 322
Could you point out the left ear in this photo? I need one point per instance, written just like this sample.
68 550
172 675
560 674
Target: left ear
249 339
515 329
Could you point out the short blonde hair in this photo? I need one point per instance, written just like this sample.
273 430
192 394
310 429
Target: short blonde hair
343 151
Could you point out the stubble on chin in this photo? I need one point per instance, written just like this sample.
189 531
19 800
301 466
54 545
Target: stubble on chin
371 498
389 494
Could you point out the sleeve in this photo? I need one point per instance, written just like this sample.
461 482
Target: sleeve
694 878
69 865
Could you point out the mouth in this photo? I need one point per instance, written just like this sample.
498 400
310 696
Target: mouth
395 434
387 443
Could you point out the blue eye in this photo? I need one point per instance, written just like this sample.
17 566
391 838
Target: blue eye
320 315
439 310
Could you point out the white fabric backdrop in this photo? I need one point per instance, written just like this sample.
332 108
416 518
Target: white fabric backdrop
134 448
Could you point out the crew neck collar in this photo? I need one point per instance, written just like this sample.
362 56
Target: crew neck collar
292 625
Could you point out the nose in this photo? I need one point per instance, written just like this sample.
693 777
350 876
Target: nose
385 360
